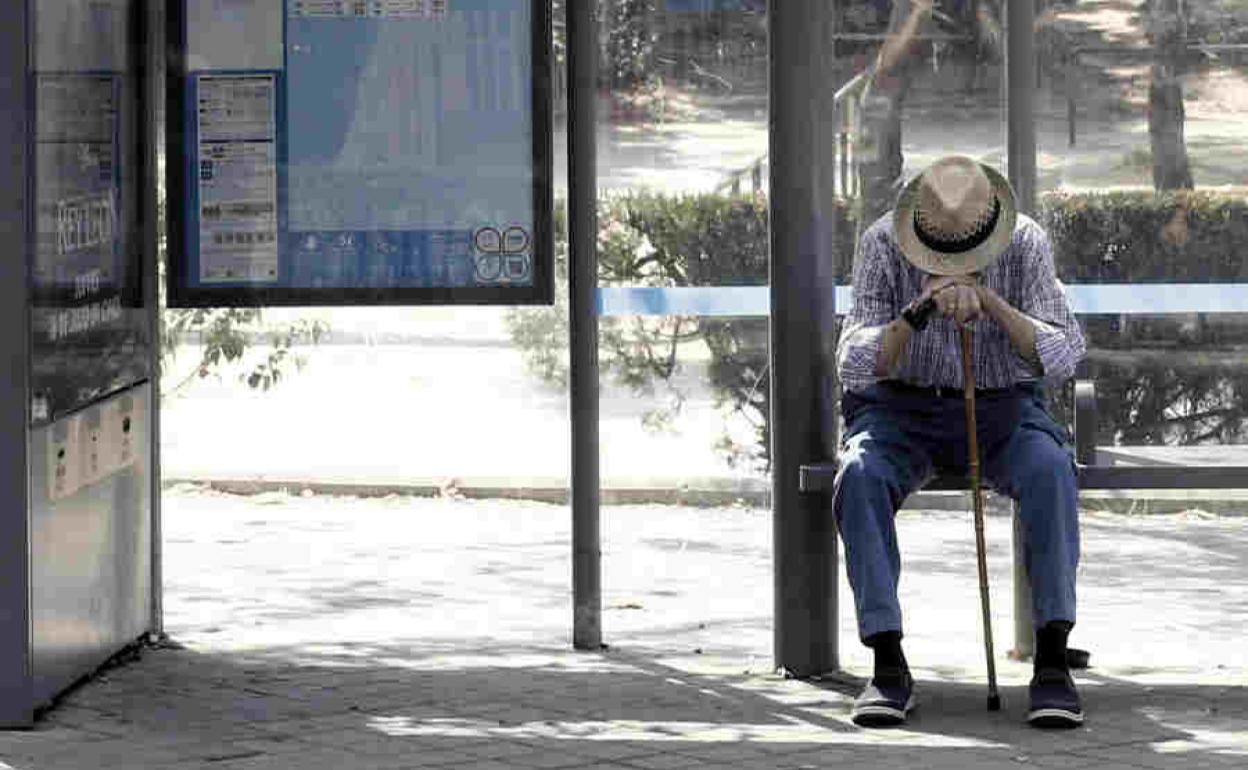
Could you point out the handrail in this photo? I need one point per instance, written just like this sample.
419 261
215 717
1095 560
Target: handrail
853 86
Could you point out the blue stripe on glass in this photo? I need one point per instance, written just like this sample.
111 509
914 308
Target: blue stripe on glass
1087 299
684 300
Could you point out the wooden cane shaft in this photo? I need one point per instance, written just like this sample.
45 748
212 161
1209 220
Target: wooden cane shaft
968 391
972 442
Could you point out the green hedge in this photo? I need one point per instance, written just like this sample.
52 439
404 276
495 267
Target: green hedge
1131 237
1150 391
1181 237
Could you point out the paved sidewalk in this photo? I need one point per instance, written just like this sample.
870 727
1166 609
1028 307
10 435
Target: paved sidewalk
317 632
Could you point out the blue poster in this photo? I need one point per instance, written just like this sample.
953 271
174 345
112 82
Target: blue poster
363 145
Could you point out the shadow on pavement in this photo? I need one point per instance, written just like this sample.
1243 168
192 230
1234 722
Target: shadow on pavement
423 704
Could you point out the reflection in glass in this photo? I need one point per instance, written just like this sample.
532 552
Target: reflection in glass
1142 164
90 332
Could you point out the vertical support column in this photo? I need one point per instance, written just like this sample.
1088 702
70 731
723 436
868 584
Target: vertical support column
1024 630
1020 142
802 267
583 323
1020 77
16 686
151 77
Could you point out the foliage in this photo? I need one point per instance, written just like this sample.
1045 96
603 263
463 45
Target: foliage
228 337
1134 237
1170 379
1158 400
629 45
1151 390
657 240
233 336
541 333
630 42
705 241
1218 21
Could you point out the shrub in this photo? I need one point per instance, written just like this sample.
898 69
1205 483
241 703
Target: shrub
1143 237
1150 392
1160 379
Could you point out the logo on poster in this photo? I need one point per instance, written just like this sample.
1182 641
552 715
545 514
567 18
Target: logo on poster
502 257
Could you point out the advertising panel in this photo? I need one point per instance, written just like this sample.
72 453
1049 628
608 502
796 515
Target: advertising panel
90 331
360 152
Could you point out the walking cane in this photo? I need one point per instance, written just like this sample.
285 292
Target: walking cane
968 383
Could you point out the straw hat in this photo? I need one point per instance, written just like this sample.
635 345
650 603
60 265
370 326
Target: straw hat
955 218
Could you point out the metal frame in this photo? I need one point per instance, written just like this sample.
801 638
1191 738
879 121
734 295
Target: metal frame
1020 101
16 689
182 294
801 266
36 663
802 302
150 80
582 44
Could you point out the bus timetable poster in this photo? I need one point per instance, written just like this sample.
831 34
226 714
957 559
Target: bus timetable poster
329 152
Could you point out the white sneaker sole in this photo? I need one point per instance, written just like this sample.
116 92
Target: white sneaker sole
1055 717
879 714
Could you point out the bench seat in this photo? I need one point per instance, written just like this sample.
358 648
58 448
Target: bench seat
1100 468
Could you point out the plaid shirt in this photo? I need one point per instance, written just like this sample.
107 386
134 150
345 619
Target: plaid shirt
1024 276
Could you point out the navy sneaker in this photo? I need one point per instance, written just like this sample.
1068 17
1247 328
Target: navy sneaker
886 700
1054 699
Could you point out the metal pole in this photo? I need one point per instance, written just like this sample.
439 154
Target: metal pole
582 45
1020 68
802 269
152 146
16 685
1024 626
1020 140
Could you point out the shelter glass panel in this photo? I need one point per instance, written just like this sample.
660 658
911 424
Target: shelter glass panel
1142 128
90 330
683 243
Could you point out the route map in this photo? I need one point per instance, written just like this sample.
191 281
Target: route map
367 144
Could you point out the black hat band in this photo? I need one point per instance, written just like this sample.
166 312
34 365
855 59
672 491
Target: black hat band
957 245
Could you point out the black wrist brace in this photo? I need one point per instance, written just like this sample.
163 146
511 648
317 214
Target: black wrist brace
918 313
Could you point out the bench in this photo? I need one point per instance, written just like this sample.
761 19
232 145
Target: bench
1097 468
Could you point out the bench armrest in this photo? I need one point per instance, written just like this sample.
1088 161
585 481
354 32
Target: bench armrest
1085 422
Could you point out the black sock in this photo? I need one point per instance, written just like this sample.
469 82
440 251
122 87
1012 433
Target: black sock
888 654
1051 644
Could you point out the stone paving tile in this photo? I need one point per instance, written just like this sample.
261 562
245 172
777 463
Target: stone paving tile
476 763
549 757
1074 762
102 754
663 761
1147 756
320 760
725 752
298 670
614 750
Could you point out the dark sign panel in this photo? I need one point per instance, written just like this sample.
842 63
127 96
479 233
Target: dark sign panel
361 152
90 330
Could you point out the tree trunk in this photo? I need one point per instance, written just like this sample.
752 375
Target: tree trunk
1171 169
881 163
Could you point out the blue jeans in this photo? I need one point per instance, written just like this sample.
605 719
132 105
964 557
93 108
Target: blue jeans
897 437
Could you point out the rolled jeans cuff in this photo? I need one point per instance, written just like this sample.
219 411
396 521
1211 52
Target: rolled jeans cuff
871 623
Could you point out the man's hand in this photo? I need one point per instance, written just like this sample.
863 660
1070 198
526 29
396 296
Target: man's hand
957 296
